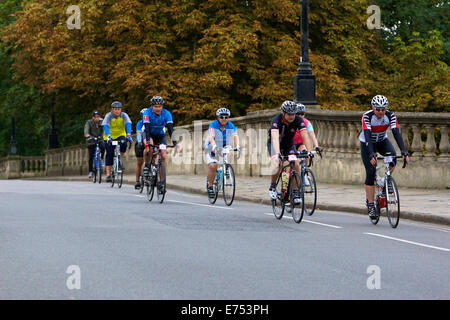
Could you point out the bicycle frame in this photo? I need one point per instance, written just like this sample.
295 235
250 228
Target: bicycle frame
291 158
224 152
387 173
97 155
117 157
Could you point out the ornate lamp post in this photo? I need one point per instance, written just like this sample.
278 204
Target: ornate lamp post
304 80
53 137
12 143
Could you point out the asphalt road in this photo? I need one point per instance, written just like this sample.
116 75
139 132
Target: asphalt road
75 240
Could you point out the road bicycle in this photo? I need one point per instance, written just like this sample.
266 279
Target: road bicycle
98 164
155 167
117 167
225 180
387 197
287 179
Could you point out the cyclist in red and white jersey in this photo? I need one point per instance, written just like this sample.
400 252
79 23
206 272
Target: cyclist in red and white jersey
373 138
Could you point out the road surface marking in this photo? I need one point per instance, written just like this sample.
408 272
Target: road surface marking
309 221
407 241
199 204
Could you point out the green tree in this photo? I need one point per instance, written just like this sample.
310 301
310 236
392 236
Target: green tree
18 101
419 80
401 18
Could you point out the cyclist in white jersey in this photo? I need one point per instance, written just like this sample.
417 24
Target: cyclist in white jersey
373 138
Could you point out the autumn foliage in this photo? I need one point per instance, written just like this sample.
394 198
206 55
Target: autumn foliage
201 55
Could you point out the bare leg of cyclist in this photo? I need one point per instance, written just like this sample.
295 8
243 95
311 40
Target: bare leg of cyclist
163 158
139 162
212 169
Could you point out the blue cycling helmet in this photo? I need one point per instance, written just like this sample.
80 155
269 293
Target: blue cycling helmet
116 104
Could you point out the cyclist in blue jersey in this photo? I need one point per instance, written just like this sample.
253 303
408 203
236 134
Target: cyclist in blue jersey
139 148
220 133
155 120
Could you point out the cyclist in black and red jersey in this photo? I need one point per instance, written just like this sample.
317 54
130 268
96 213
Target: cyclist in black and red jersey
373 138
281 142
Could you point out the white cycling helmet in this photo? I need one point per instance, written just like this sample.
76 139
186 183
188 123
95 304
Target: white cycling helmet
301 108
290 107
223 111
143 111
380 102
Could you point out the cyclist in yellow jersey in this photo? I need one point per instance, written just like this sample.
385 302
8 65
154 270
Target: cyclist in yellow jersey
116 126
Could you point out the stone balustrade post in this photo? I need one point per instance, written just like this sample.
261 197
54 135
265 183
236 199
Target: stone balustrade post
444 145
416 146
430 144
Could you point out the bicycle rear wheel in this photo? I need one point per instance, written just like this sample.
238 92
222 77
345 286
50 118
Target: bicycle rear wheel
229 185
377 209
141 181
392 202
94 177
278 204
216 191
297 210
310 188
162 187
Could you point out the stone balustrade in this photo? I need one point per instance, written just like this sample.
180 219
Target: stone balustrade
425 136
15 167
33 166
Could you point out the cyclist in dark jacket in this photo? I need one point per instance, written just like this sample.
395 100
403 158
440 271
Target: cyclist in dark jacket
93 128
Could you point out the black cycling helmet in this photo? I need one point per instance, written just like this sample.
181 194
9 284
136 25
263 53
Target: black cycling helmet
95 113
116 104
156 100
290 107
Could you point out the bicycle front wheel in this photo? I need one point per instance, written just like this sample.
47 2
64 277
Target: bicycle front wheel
229 185
297 210
162 186
153 180
99 170
278 204
392 202
120 179
310 190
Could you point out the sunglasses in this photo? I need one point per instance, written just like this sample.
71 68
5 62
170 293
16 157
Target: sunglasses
380 109
301 114
223 117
